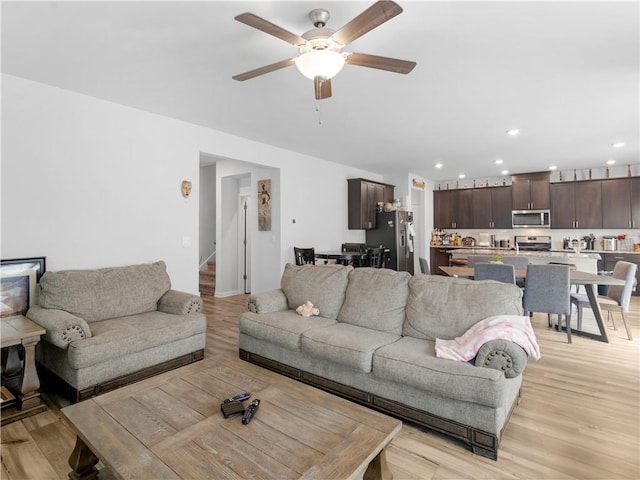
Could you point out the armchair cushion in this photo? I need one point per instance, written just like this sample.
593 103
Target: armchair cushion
62 327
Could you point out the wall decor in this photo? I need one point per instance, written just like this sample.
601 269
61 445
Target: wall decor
264 205
18 278
186 188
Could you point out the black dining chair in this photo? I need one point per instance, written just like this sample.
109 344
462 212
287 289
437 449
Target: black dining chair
375 257
305 256
359 248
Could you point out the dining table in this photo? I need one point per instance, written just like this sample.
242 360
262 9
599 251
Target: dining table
341 257
590 281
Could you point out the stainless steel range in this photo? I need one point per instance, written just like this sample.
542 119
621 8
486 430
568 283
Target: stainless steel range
534 244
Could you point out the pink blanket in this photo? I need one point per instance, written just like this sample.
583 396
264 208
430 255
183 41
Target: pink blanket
501 327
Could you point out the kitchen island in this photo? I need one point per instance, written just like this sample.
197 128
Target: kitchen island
584 262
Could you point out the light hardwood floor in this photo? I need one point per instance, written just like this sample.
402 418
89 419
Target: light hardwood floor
579 417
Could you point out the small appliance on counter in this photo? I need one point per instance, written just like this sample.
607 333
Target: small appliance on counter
609 243
484 240
468 242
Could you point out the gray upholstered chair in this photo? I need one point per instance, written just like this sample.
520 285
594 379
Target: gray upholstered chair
424 266
617 298
495 271
473 259
547 290
519 263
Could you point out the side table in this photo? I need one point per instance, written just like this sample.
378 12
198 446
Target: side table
20 333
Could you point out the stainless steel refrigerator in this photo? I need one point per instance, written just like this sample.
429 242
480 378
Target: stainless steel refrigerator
394 230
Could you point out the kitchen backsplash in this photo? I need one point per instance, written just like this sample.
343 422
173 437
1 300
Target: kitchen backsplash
557 236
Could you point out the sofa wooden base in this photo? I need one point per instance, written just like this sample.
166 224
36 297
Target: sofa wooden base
481 443
52 382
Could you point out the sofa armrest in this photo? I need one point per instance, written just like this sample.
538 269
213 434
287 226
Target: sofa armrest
179 303
62 327
503 355
267 302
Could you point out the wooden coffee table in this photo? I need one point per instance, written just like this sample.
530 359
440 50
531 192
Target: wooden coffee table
170 426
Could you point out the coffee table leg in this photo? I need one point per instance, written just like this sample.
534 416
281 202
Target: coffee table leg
83 461
378 468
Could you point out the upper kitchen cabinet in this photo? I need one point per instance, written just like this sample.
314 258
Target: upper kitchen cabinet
492 207
621 202
453 208
530 191
576 205
363 198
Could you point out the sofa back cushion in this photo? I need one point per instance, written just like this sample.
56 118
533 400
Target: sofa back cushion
446 307
376 298
96 295
322 285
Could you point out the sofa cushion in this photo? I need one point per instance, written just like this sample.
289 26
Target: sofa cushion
446 307
281 328
376 298
413 361
322 285
119 337
96 295
346 344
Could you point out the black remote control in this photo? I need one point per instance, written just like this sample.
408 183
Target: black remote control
250 411
238 398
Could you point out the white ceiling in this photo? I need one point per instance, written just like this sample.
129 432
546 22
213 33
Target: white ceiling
565 73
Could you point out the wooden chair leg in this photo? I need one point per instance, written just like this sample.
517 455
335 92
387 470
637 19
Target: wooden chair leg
567 319
579 317
626 325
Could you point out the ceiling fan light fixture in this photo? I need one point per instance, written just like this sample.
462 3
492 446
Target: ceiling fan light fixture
320 63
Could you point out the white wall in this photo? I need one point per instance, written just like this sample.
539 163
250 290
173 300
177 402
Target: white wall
207 214
89 183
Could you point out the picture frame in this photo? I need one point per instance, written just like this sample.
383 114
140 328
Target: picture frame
18 279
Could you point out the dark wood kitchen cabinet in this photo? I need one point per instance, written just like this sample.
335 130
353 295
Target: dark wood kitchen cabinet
453 209
576 205
363 198
621 202
530 191
439 258
492 207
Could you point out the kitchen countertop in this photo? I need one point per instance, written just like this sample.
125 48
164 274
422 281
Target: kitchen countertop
498 249
504 252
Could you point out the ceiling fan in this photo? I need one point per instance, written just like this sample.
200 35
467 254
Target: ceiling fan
320 49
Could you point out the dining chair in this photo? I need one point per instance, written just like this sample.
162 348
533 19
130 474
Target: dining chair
495 271
361 248
305 256
424 266
617 298
519 263
375 257
547 290
473 259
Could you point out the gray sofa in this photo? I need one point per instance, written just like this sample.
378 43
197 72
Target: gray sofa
110 327
374 343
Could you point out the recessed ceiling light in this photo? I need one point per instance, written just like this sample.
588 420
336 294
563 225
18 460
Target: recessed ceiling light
513 132
617 145
611 162
498 161
461 175
438 165
552 167
504 172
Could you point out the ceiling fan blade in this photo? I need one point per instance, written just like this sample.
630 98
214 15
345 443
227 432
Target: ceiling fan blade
241 77
381 63
322 88
270 28
372 17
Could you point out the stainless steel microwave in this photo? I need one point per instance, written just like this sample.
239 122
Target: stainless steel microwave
530 219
